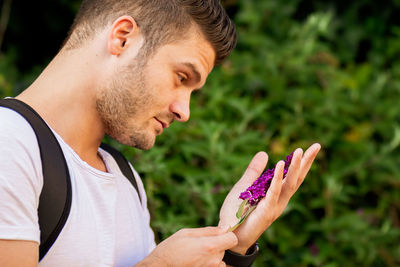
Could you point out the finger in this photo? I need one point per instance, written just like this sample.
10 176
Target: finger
254 170
290 182
307 161
274 190
271 199
205 231
222 264
223 242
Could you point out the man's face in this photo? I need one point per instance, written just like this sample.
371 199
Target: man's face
143 99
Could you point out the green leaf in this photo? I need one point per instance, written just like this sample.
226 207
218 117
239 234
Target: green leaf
239 213
243 218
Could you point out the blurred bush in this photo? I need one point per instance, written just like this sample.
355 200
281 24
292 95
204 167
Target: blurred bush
303 72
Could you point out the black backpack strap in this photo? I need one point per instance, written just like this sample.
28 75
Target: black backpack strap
55 198
123 165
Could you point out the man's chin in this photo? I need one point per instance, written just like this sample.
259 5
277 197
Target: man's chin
147 147
137 141
141 143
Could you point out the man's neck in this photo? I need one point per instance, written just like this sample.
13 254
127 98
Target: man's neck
64 96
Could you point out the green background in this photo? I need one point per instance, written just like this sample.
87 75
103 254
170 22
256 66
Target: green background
302 72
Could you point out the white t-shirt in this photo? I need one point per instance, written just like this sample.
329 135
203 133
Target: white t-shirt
107 224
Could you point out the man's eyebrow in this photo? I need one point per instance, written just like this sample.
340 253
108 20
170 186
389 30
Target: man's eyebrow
196 72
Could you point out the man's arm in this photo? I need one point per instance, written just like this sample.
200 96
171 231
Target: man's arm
192 247
19 253
20 186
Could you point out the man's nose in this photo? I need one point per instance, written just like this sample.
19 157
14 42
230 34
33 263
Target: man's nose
180 107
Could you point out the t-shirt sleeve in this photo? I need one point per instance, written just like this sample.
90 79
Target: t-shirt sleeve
21 178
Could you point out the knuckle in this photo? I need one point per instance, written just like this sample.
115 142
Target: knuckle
291 186
276 192
210 248
299 182
270 218
275 195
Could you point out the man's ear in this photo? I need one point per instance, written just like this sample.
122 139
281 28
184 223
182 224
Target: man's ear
122 32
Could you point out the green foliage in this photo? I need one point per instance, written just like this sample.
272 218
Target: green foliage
8 74
294 79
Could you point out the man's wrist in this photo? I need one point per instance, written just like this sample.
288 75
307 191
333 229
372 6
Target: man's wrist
241 249
239 260
150 261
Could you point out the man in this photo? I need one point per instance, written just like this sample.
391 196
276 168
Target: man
127 69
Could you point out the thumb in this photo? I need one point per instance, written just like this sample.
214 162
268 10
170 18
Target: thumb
223 242
209 231
254 170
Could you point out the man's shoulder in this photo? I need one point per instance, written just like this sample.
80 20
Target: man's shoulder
16 132
20 178
19 149
13 125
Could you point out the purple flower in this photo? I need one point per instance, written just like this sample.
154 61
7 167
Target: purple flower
259 188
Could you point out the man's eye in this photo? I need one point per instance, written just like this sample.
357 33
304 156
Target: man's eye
182 77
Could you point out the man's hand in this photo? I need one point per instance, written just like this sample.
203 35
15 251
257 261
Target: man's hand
192 247
277 198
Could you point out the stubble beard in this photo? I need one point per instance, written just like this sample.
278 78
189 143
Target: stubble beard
120 101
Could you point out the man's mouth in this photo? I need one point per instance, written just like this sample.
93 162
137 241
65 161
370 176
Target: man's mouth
163 124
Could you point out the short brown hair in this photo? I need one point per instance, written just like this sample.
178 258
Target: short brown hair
161 21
